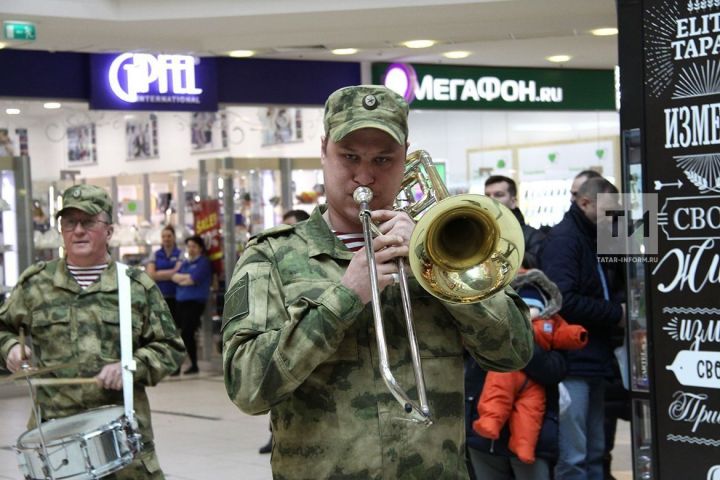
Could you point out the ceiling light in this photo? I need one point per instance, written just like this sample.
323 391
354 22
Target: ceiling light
12 111
344 51
457 54
241 53
52 105
558 58
604 32
419 43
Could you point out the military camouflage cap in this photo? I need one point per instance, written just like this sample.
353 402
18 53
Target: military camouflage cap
366 106
91 199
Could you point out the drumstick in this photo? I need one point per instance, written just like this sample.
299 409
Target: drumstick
63 381
22 345
24 362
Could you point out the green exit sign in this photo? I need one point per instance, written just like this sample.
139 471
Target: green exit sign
19 30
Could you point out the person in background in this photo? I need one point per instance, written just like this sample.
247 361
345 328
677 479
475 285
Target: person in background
163 264
579 179
617 405
69 306
298 330
7 149
592 297
291 217
504 190
497 459
39 219
617 398
193 281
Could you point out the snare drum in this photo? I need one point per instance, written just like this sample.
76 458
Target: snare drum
88 445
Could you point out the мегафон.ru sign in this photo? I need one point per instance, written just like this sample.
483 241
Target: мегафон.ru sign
477 88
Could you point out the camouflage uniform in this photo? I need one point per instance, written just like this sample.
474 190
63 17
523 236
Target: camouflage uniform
81 327
300 344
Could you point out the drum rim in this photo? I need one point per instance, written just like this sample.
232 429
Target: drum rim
124 443
72 437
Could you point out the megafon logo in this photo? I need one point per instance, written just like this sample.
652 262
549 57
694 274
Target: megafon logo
131 74
402 79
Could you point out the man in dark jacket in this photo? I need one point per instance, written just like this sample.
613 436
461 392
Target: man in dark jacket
579 179
504 190
591 298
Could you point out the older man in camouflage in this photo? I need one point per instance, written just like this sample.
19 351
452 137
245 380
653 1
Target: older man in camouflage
70 307
298 329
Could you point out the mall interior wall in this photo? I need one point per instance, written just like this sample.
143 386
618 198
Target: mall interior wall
447 135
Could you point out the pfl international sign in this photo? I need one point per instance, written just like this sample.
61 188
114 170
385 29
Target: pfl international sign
450 87
144 81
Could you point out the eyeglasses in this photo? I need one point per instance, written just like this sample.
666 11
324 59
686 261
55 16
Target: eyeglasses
69 224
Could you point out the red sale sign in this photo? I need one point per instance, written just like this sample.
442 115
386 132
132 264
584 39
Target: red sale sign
207 225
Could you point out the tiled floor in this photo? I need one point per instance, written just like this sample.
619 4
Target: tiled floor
201 435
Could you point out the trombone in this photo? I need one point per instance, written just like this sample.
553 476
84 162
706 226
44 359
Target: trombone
463 249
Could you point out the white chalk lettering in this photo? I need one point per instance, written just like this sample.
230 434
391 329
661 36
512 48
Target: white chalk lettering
690 407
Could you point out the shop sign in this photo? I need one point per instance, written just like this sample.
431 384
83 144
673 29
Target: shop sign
143 81
493 88
206 214
682 158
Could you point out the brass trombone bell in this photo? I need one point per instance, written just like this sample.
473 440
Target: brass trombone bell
466 248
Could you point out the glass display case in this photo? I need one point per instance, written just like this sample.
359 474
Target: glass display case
47 196
16 240
143 204
638 368
260 191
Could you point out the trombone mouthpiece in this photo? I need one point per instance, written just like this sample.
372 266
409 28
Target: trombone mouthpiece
362 195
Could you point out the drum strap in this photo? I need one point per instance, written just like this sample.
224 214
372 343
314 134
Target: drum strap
126 354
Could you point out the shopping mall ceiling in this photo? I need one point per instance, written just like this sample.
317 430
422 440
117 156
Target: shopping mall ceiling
496 32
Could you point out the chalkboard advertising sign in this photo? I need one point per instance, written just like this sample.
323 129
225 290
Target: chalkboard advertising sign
682 138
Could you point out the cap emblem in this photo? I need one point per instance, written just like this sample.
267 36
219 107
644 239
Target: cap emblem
369 102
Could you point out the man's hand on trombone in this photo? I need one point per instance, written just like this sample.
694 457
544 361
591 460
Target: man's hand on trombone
392 245
393 222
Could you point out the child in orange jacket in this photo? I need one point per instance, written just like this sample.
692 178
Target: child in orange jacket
513 397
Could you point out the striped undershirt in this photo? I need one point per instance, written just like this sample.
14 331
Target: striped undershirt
86 276
352 241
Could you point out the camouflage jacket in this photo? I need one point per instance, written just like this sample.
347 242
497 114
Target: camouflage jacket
300 344
81 328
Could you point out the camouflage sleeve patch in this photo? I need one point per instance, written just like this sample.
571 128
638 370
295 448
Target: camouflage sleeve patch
237 304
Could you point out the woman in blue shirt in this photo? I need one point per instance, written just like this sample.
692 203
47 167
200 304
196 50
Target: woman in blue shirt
163 264
193 288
